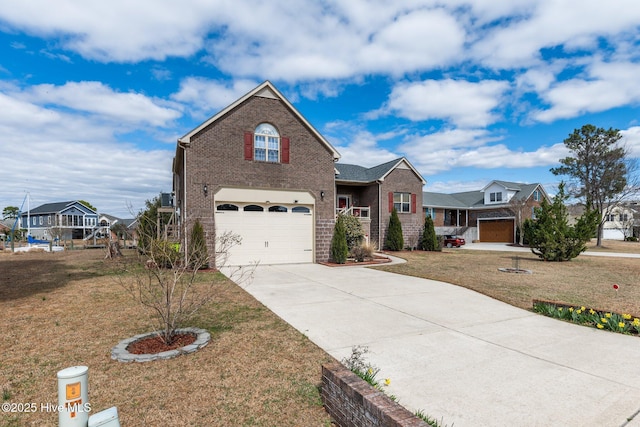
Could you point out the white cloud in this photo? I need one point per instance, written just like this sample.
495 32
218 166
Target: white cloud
118 30
462 103
98 99
206 97
59 154
554 23
631 140
464 148
606 86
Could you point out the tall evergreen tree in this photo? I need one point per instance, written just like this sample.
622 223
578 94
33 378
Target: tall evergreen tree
550 235
394 240
339 249
598 169
429 240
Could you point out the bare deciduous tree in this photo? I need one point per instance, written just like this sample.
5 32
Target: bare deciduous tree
166 281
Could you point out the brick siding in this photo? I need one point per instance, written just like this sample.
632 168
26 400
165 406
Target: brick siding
403 180
216 158
352 402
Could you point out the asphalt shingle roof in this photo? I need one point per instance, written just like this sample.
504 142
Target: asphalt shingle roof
475 199
355 173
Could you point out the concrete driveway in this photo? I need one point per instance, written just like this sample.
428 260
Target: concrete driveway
459 355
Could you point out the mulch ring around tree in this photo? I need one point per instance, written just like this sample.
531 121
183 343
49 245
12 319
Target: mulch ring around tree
149 347
155 344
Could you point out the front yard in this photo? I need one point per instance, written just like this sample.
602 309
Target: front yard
585 280
64 309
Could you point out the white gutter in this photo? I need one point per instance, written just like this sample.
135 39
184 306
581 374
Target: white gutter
183 208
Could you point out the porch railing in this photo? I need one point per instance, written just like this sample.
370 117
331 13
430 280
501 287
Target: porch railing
362 212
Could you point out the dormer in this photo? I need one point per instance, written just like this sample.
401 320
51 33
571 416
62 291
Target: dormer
499 192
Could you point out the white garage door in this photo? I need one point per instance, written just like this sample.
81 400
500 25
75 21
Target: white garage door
271 234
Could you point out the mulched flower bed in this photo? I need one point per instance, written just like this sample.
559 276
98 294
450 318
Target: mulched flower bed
155 344
351 262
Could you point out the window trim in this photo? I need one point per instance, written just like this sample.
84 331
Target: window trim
270 137
402 203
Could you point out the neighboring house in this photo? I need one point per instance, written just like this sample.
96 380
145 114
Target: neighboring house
68 220
619 221
484 215
5 231
117 228
260 170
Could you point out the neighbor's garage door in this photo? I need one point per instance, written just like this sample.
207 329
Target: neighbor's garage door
497 230
271 234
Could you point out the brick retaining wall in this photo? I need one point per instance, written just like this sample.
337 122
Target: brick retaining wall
352 402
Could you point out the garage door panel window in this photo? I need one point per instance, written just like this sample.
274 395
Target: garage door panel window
226 207
253 208
300 209
278 209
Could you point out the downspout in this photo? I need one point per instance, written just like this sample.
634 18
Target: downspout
379 214
183 208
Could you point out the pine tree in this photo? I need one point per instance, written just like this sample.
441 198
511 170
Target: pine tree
429 240
339 249
394 240
550 235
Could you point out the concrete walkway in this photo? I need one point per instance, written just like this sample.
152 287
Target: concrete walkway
459 355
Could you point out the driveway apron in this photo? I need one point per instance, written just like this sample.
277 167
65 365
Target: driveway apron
456 354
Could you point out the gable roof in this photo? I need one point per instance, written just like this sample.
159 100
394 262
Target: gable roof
56 207
127 222
475 199
265 90
354 173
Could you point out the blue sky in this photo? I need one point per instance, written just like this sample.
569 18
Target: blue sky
93 95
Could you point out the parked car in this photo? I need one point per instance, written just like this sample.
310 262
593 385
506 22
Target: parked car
451 241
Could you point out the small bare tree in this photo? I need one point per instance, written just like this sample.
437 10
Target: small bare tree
165 280
522 209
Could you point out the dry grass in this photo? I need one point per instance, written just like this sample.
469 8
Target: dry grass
585 280
65 309
615 246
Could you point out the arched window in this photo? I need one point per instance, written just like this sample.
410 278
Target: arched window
300 209
227 207
277 209
266 143
253 208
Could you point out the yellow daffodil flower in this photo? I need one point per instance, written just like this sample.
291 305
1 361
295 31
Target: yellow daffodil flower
604 320
599 326
608 315
621 325
591 311
387 381
626 316
570 309
582 308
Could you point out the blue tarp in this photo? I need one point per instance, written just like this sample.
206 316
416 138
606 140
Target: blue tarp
33 241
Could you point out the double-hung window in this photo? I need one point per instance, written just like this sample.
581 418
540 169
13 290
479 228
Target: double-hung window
402 202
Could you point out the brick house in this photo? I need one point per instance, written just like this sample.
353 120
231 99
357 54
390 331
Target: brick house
372 193
260 170
484 215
